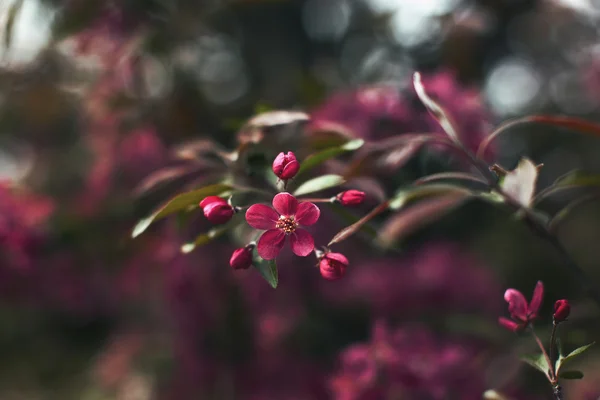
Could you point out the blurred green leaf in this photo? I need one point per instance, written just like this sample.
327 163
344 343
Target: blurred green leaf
537 361
268 270
578 178
179 202
319 183
318 158
571 375
205 238
405 196
11 17
462 176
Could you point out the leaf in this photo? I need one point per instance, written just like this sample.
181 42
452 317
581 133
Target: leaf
204 238
571 375
268 270
404 196
418 215
326 134
576 124
319 183
355 227
177 203
11 17
575 353
538 362
571 180
351 218
560 216
450 175
275 118
162 176
322 156
519 184
435 109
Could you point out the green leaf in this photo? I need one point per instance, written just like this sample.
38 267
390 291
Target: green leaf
538 362
451 176
571 375
204 238
178 203
577 352
318 158
404 196
578 178
319 183
268 270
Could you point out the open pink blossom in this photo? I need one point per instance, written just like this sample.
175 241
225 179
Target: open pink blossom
520 311
283 221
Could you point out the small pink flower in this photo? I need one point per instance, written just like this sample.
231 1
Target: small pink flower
333 266
562 309
241 258
282 222
521 312
351 197
286 166
216 209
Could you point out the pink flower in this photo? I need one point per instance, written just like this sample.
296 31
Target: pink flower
351 197
216 209
282 222
333 266
562 309
521 312
241 258
286 166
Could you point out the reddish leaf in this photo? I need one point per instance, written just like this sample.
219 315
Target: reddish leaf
519 184
162 176
563 122
418 215
450 175
355 227
435 109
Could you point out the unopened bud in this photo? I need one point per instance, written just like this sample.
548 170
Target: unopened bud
351 197
286 165
216 209
562 309
241 258
333 266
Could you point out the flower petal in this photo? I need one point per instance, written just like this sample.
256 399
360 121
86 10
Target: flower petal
270 243
307 213
260 216
536 300
517 305
285 203
302 243
508 324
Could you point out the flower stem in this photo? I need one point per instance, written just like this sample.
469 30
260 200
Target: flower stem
550 372
553 343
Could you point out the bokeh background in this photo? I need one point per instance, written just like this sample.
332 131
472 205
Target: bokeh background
96 95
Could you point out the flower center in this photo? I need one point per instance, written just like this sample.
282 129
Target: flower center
286 224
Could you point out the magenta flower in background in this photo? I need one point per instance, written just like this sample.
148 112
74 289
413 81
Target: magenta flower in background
333 266
216 209
562 309
241 258
351 197
283 221
520 311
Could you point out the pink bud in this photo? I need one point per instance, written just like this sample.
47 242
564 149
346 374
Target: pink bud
351 197
286 166
333 266
241 258
216 209
562 309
